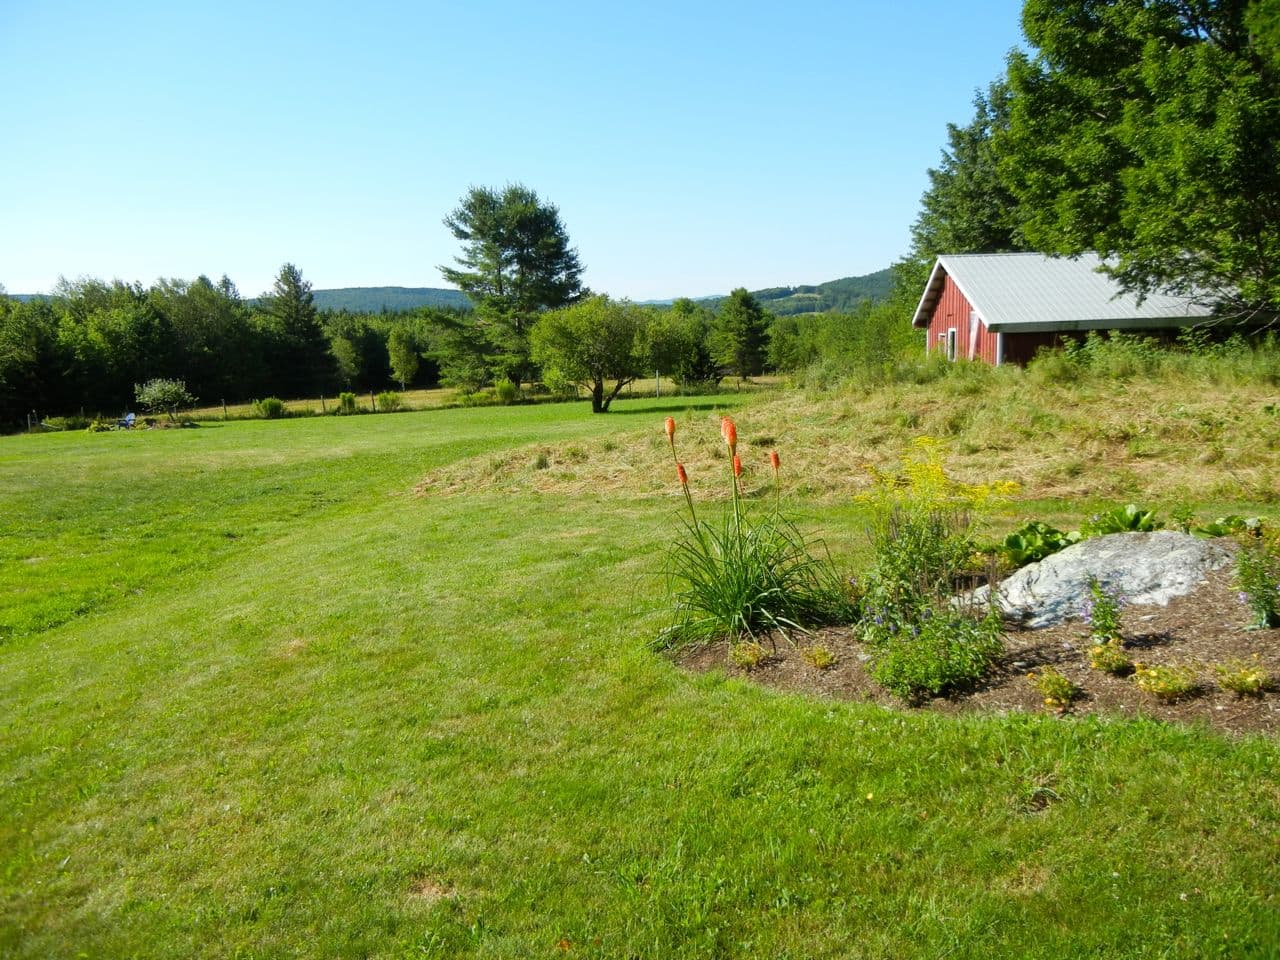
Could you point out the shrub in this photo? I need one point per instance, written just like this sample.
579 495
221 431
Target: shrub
1102 612
1258 579
389 401
270 408
746 575
66 423
1243 678
933 650
100 426
1166 683
921 533
1110 658
506 392
346 402
1058 692
747 654
161 394
819 655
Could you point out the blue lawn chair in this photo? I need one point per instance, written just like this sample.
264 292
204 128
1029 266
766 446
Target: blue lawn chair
127 421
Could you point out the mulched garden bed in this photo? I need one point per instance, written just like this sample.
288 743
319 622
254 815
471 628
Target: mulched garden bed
1202 629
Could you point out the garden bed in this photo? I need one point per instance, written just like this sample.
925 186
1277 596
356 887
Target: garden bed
1205 628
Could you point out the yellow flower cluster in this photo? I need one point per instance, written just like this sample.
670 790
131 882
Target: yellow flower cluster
922 481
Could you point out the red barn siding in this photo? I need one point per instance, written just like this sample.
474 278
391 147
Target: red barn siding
953 310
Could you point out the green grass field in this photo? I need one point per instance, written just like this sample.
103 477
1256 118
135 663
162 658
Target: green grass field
257 699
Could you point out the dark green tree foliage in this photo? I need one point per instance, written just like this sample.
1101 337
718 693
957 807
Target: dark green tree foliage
1149 130
290 314
740 337
516 262
591 343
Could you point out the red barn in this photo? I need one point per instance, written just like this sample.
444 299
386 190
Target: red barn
1003 307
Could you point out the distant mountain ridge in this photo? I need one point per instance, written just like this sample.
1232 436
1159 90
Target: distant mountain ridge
377 299
834 295
839 296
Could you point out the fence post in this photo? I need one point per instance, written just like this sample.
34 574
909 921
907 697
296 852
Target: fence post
322 407
373 404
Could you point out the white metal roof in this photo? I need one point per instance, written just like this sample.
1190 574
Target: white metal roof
1028 292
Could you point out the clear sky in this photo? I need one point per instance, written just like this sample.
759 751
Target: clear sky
691 147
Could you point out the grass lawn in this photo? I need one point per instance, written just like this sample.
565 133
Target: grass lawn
259 699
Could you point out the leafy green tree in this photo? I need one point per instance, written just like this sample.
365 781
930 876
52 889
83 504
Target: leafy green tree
516 262
740 337
1149 131
161 394
345 358
590 343
402 351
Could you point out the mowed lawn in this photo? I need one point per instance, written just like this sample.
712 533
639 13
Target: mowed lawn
258 699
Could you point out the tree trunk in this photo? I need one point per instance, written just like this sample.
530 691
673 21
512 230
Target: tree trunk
617 388
597 397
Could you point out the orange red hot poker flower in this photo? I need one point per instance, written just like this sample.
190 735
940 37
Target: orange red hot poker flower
729 431
773 459
681 475
670 427
737 465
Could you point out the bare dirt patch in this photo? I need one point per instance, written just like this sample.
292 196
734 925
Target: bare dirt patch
429 890
1202 629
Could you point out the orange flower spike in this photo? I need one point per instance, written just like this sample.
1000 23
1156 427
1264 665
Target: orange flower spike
681 475
773 459
730 431
737 465
670 427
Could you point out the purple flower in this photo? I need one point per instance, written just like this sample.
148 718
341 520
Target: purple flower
1243 597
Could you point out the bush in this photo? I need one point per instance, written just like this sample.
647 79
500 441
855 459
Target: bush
506 392
66 423
347 402
161 394
1242 678
389 401
922 538
1110 658
746 576
1058 692
1102 612
1166 683
271 408
933 649
1258 578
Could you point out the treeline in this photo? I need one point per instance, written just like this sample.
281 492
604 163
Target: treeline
88 344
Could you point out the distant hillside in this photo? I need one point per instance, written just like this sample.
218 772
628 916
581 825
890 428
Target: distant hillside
835 295
377 299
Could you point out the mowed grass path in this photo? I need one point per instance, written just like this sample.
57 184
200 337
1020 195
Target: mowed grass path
295 710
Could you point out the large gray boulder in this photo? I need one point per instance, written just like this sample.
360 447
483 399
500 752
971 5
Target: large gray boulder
1146 568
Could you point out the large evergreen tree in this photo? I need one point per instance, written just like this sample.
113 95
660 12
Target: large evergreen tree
304 365
741 334
516 262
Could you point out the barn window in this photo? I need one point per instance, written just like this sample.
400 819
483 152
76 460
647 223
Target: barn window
951 343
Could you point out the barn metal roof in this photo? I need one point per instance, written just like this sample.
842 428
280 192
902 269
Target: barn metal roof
1031 292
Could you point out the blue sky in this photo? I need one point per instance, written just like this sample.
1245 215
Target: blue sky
691 147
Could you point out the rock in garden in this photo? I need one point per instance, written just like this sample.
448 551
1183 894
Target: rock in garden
1144 568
